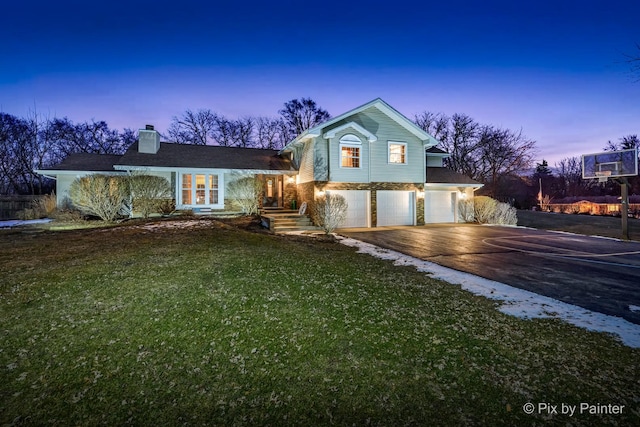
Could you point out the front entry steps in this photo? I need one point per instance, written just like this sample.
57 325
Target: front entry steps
282 221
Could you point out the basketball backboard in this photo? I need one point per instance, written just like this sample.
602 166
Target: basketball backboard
610 164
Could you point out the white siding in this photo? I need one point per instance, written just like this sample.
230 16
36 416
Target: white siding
375 166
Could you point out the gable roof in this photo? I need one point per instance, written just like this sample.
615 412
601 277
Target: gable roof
205 157
351 125
380 105
87 162
437 175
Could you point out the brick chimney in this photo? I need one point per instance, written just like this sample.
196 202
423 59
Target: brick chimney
148 140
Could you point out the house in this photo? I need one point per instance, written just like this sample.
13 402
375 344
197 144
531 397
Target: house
387 168
595 205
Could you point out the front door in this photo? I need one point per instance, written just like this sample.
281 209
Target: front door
272 191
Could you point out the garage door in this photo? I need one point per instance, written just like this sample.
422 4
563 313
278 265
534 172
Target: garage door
395 207
358 207
439 206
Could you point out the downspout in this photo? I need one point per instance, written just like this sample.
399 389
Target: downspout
369 164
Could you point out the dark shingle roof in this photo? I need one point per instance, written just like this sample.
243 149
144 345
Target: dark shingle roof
206 156
437 175
88 162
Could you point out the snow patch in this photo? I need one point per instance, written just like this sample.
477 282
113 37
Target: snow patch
19 223
634 308
515 302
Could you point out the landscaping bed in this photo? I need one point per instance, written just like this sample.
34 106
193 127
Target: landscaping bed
199 322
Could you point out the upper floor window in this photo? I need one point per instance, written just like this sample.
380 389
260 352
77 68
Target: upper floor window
350 151
350 156
398 153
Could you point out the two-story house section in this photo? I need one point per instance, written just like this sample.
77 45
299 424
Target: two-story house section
374 157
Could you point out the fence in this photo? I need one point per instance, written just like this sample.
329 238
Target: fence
11 207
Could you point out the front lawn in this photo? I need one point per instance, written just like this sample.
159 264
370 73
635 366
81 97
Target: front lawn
203 324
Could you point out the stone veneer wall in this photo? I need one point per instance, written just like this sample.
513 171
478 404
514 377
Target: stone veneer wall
290 194
307 190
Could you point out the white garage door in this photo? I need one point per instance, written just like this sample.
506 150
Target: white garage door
395 207
439 206
358 207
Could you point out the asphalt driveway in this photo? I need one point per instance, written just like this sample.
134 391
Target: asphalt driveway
598 274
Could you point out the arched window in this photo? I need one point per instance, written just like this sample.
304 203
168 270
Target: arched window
350 151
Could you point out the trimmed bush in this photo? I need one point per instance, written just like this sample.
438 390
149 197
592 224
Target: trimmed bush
149 194
104 196
485 210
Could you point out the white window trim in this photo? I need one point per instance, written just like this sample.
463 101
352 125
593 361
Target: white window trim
179 183
406 153
351 145
350 140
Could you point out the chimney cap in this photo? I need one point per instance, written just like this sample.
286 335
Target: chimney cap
148 127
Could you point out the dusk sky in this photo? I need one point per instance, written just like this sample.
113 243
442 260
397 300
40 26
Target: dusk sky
555 69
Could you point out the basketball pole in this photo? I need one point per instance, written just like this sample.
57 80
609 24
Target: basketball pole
624 201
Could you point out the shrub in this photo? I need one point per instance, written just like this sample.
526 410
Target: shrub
245 191
45 205
149 193
104 196
466 211
485 210
330 211
505 214
167 206
67 215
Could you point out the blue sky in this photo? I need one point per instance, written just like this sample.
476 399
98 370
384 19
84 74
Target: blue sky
554 69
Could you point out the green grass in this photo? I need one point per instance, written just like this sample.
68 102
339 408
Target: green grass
217 326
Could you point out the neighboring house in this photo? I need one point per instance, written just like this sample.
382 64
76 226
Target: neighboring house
594 205
386 167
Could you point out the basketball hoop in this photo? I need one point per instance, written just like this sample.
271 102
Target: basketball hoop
602 175
613 164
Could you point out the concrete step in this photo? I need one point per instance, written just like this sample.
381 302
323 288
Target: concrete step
300 221
302 228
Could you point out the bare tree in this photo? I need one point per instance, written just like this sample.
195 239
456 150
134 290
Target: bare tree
435 124
504 153
270 133
244 132
193 127
300 115
12 133
634 63
224 131
625 143
459 136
